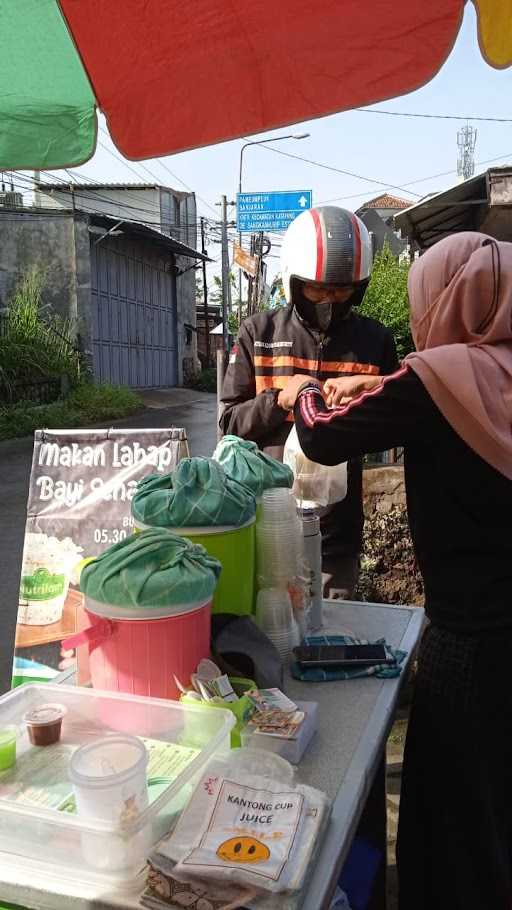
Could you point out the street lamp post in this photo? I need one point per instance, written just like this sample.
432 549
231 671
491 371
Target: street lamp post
245 145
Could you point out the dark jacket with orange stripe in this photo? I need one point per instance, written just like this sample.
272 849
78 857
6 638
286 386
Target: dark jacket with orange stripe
273 346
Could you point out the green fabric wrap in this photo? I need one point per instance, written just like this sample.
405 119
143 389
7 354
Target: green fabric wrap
155 568
197 494
245 462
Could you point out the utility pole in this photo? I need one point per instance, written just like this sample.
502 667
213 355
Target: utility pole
257 283
36 196
225 272
205 297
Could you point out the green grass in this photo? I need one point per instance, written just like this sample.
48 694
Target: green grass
86 404
36 343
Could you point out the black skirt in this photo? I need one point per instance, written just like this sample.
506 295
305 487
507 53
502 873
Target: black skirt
455 825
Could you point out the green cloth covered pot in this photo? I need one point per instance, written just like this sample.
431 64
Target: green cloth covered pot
153 569
198 493
245 462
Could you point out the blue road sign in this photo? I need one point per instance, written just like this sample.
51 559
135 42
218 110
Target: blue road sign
270 211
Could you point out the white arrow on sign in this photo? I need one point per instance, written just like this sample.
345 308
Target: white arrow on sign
303 202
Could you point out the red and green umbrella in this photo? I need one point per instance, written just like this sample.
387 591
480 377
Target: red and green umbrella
171 75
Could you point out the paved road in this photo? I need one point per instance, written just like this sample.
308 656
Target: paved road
164 408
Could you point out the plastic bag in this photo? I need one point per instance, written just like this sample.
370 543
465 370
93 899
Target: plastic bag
315 485
248 823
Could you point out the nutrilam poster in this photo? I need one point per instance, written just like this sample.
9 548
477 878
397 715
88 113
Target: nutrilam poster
81 486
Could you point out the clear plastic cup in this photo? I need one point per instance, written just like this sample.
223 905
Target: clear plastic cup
275 618
282 643
276 503
109 778
109 782
277 559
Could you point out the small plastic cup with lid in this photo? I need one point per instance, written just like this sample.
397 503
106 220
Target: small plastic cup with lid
110 784
8 736
109 778
44 724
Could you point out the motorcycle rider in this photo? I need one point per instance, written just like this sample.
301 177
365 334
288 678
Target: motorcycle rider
326 262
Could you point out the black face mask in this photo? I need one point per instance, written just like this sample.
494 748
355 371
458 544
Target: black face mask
324 317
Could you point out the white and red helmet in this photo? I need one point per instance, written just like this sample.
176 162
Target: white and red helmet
326 245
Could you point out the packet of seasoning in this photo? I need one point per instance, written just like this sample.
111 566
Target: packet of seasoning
267 699
288 731
274 718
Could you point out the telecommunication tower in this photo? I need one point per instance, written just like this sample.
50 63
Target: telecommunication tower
466 141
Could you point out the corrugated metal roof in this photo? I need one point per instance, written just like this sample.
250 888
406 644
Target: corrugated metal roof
459 208
141 230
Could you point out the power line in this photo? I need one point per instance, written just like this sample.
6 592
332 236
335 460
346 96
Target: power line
162 163
92 194
421 179
331 167
25 182
373 110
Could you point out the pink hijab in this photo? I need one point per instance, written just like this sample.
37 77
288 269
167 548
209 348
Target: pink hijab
460 295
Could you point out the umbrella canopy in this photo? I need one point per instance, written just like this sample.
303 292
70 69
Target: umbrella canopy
172 76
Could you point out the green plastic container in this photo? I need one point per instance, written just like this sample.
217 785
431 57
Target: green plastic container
242 709
235 550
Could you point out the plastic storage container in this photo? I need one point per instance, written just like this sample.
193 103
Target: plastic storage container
148 602
241 709
142 656
38 820
235 550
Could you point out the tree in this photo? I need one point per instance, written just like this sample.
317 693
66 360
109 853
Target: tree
215 296
277 298
387 300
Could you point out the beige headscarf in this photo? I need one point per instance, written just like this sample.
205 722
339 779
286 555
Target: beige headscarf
460 295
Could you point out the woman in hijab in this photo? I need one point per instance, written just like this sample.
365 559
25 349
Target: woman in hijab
450 406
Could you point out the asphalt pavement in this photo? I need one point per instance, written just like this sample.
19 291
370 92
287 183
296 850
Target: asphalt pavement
196 411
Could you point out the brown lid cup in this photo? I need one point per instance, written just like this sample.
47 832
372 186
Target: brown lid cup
44 724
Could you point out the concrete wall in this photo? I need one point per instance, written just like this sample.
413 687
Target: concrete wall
82 288
383 489
27 240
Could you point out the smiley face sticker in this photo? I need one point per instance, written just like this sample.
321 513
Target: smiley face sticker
243 850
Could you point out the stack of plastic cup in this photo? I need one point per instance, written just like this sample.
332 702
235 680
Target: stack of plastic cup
280 558
274 616
279 539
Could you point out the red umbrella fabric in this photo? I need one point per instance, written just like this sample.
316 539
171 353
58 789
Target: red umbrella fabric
172 76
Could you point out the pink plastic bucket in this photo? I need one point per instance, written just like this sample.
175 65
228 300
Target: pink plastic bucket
142 657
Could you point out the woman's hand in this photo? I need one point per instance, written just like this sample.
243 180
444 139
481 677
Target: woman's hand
288 396
340 391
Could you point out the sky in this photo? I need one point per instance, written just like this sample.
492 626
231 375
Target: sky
376 147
